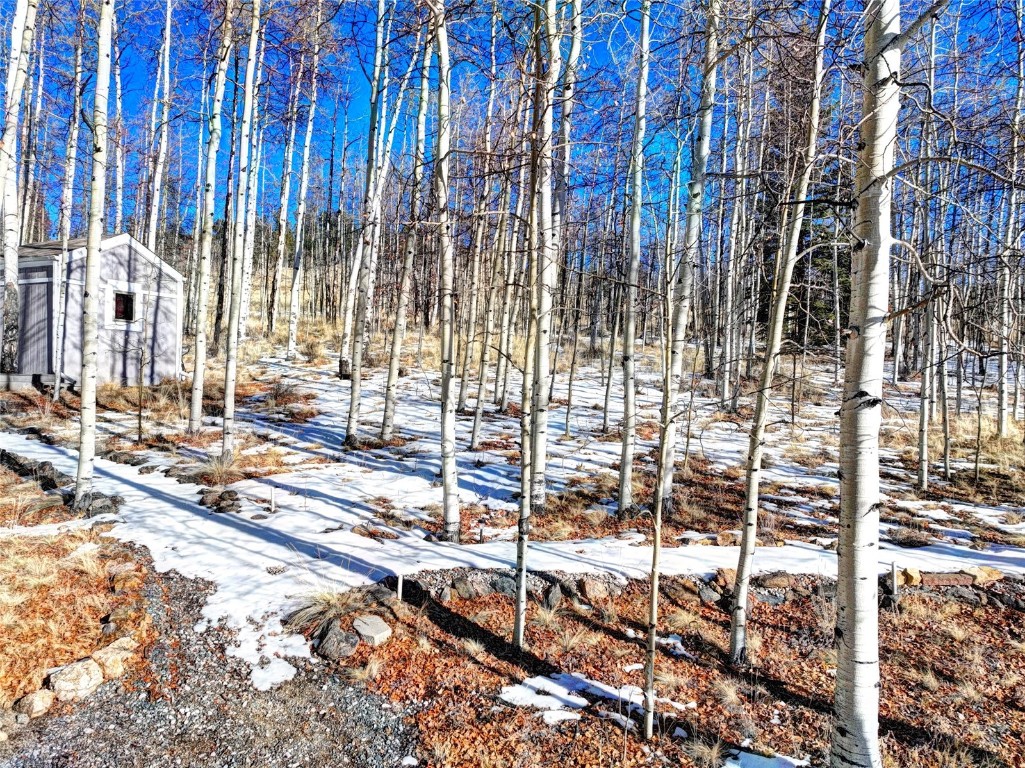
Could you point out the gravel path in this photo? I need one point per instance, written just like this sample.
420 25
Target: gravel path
198 708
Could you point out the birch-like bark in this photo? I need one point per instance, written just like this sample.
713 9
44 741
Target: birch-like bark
22 28
629 428
549 65
406 277
300 215
119 140
160 160
239 239
1012 236
207 234
94 235
372 247
681 287
777 315
67 190
684 269
855 730
273 300
369 185
446 250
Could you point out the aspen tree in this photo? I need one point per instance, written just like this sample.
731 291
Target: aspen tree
22 29
636 174
94 235
207 233
676 326
855 731
446 250
406 273
119 140
238 244
273 301
1012 233
300 214
549 64
160 159
67 190
777 314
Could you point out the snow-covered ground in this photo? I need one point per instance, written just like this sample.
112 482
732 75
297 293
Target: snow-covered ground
263 560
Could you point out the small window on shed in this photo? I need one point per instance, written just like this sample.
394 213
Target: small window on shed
124 307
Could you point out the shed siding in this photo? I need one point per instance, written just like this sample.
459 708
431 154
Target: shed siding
151 340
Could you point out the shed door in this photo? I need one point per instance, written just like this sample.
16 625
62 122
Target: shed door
35 352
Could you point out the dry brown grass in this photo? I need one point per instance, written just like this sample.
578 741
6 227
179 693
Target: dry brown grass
54 592
22 502
318 608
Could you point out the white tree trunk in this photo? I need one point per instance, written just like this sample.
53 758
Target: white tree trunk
304 183
161 157
119 141
91 297
446 250
206 236
777 315
676 326
67 191
629 428
22 29
239 239
273 301
406 277
549 66
855 730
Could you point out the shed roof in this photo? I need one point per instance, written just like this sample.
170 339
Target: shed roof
53 248
49 249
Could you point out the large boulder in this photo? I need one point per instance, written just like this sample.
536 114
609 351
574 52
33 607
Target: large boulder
76 681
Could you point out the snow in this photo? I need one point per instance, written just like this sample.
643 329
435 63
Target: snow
262 566
751 760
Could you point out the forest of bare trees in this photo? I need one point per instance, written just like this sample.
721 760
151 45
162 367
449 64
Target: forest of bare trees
539 190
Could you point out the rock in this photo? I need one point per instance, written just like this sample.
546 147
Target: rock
725 578
372 629
984 575
334 643
708 595
126 581
593 589
76 681
552 598
505 585
35 704
909 577
3 736
209 499
772 598
229 495
947 579
148 469
727 539
777 580
113 658
965 594
471 589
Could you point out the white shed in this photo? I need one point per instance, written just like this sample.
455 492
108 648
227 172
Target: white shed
142 308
